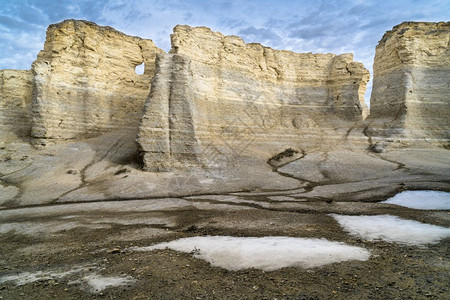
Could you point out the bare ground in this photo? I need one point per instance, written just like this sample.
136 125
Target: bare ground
65 221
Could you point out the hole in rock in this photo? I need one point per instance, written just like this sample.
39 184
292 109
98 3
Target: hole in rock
139 69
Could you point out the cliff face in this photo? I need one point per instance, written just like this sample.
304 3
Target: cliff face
85 80
411 91
16 88
215 97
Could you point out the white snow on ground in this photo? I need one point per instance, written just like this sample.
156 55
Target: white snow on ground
28 277
33 228
392 229
266 253
98 282
422 200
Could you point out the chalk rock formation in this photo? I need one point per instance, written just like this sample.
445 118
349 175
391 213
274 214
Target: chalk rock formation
215 98
85 80
16 88
411 91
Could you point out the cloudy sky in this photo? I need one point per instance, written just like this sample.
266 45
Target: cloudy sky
337 26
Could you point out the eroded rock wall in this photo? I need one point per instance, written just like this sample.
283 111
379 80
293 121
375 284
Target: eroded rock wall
85 81
16 88
410 100
215 98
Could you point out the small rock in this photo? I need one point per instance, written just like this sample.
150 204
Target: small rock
121 171
378 147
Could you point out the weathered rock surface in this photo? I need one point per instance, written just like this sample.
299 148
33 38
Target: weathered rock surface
411 91
265 122
16 87
271 120
85 81
215 98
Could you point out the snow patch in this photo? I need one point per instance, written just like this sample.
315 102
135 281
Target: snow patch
33 228
428 200
99 283
28 277
266 253
392 229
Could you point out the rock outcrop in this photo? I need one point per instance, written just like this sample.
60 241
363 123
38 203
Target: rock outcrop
215 98
85 81
16 88
410 100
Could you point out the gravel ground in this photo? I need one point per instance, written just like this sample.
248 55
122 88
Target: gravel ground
41 259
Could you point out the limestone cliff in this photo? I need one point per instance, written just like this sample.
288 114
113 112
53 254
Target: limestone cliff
215 97
85 80
16 88
411 91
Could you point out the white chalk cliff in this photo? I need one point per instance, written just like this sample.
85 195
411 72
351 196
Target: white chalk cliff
410 100
215 97
85 81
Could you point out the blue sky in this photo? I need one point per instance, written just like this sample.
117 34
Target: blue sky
303 26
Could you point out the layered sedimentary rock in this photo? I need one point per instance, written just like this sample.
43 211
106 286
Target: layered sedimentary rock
411 91
215 97
85 80
16 88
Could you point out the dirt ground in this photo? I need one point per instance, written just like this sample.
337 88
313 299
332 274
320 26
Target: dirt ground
72 215
89 239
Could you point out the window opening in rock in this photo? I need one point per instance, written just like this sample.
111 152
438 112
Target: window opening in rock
139 69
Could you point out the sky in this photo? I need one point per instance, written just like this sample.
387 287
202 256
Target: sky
320 26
